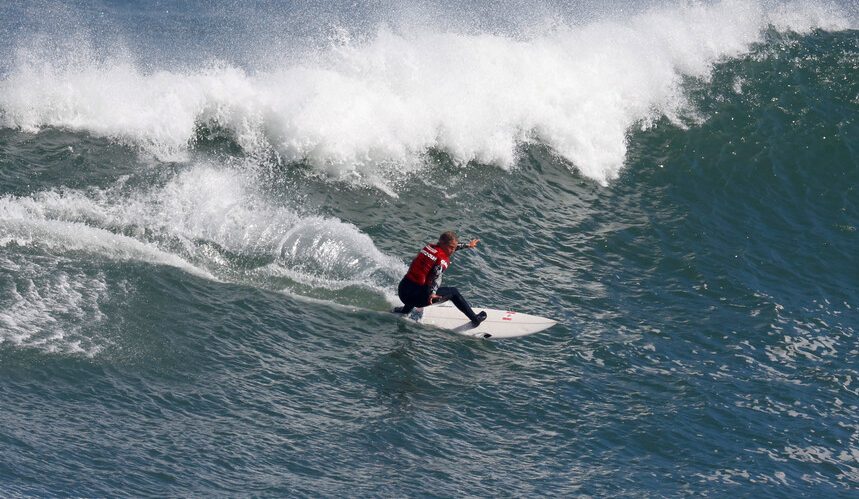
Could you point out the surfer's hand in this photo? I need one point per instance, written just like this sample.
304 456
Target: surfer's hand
434 298
473 243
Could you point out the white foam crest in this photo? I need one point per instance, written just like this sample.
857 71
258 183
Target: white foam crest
382 103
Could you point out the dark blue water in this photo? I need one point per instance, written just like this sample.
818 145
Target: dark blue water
205 209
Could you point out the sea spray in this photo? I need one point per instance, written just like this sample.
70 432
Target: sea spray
192 221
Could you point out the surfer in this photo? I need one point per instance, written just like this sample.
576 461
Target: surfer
420 286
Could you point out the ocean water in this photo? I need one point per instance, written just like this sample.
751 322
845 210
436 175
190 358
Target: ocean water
205 208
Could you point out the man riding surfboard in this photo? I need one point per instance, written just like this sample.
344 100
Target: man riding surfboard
421 285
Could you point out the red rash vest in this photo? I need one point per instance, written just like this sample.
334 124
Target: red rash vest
430 256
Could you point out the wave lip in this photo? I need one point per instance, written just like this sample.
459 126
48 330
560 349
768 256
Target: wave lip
363 107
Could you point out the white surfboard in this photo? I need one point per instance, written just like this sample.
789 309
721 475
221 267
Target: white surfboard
498 323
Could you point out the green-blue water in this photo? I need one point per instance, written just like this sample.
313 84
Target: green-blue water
205 210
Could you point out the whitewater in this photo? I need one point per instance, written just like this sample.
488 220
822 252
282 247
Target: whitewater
379 104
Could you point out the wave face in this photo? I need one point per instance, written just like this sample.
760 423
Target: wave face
205 209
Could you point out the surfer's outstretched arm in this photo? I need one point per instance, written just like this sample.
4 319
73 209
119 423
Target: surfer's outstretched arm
467 245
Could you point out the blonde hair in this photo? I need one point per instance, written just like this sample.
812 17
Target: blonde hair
448 237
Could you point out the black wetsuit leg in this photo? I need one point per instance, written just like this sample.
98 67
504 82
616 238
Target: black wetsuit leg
412 295
453 294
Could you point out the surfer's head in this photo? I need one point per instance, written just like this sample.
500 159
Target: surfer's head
448 241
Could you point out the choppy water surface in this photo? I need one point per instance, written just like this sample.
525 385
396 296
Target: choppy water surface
205 210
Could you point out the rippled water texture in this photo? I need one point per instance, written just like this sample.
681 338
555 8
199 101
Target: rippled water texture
205 210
